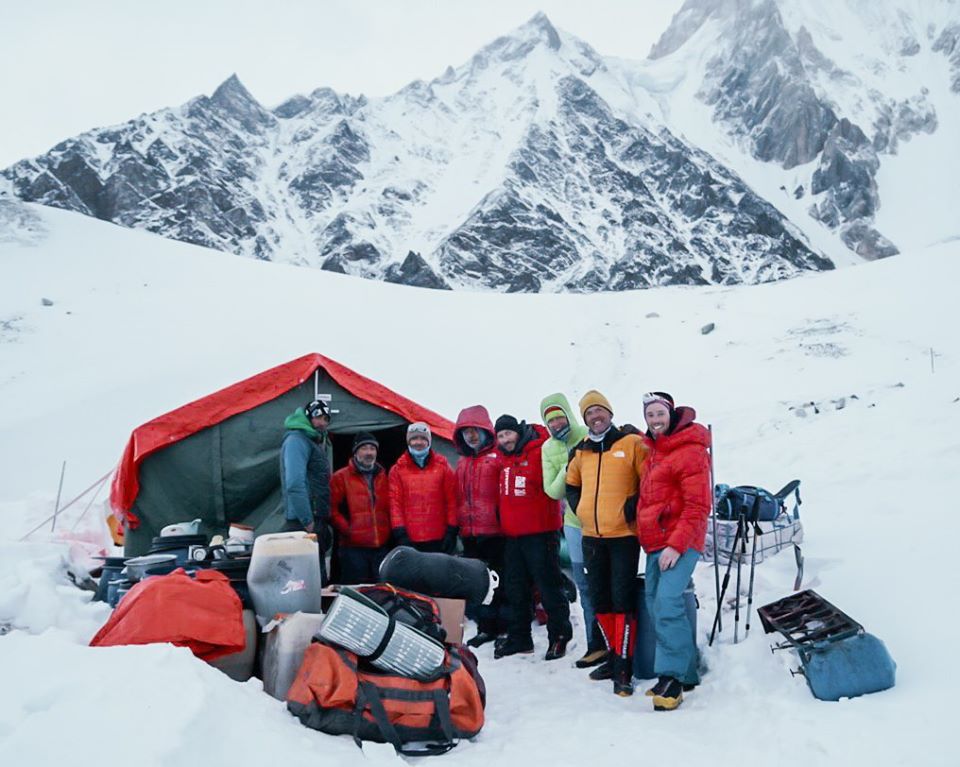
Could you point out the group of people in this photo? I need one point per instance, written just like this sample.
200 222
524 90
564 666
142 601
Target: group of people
611 490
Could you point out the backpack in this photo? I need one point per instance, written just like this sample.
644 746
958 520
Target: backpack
338 694
755 503
416 610
766 513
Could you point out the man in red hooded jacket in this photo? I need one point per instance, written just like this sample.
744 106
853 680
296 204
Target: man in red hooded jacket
530 520
675 500
478 494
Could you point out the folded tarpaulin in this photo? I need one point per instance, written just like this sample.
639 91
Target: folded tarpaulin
203 613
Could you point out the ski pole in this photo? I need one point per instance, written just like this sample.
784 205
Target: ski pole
713 515
723 590
736 609
753 560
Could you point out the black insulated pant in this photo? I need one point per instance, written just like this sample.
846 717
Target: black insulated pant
534 560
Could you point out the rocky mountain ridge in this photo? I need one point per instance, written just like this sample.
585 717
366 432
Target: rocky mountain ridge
531 167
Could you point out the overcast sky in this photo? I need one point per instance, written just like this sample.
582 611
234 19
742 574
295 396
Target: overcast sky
70 66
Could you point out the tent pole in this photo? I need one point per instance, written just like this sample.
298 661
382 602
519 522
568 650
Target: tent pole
56 508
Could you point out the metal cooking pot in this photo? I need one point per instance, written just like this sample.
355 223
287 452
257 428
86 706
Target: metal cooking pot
151 564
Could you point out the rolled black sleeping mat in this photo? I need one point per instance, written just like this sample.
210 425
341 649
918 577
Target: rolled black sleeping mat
439 575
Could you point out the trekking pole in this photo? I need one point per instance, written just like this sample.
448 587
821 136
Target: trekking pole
753 559
723 589
713 515
741 520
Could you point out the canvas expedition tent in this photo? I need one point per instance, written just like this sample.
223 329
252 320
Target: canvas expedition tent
217 458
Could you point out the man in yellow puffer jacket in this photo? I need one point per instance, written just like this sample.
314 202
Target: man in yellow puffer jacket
602 480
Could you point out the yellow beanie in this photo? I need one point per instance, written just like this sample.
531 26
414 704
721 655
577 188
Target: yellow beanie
591 398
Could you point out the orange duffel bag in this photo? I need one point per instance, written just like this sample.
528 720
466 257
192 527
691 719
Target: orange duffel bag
331 694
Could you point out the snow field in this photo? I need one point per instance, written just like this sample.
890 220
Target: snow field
153 324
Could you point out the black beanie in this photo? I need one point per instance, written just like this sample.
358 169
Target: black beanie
508 423
364 438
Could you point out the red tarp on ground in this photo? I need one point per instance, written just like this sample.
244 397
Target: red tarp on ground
246 395
202 613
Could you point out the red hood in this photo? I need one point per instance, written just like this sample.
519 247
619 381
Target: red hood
477 417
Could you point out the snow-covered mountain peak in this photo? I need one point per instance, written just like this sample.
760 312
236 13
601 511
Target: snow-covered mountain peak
750 147
232 100
827 90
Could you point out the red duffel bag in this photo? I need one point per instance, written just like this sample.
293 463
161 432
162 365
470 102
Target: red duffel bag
203 613
331 694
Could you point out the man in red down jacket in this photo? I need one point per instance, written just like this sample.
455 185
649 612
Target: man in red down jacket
530 520
423 495
478 493
675 499
360 512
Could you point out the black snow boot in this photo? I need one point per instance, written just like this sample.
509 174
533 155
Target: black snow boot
557 649
513 646
669 696
592 658
658 687
481 638
603 671
622 676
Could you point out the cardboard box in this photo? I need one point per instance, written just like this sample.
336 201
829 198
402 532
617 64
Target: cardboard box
452 618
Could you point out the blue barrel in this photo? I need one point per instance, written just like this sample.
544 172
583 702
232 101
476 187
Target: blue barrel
645 646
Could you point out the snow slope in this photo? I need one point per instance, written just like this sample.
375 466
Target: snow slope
140 324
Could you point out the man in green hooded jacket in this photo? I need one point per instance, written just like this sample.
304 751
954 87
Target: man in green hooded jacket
306 456
565 432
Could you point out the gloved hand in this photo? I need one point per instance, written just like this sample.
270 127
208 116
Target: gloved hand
324 536
400 536
630 509
450 540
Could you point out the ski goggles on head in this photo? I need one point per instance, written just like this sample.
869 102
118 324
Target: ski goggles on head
657 396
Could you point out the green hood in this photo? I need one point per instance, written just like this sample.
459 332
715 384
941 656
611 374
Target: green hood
577 430
298 420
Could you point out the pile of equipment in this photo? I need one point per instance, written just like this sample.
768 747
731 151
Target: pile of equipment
376 666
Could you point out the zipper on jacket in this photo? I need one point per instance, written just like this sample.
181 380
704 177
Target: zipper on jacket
596 495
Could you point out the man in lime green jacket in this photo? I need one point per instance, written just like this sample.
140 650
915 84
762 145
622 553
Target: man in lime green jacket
565 432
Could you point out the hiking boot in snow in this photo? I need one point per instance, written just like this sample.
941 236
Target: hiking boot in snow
603 671
592 658
658 687
556 650
513 646
669 697
481 639
622 676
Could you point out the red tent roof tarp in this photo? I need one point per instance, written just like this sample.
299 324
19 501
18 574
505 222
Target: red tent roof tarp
246 395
